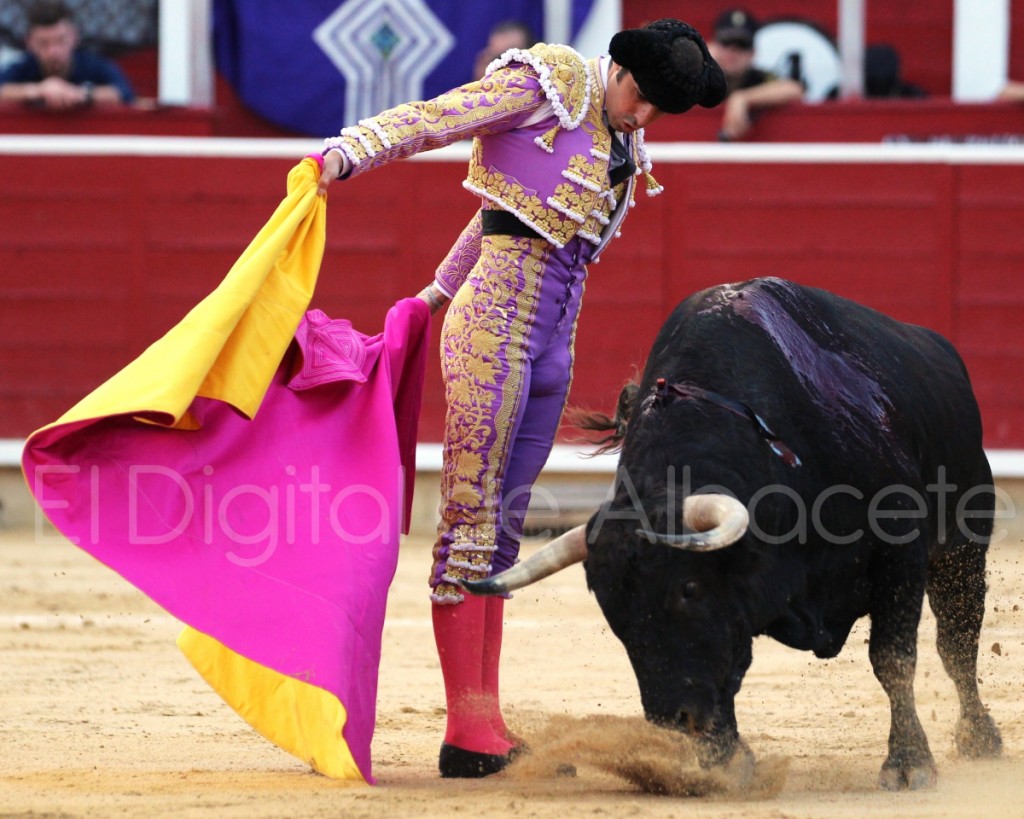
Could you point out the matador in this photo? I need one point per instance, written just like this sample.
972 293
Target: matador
558 154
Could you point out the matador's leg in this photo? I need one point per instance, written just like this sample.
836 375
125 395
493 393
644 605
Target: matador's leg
487 345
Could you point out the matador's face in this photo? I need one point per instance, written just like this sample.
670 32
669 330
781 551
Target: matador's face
624 103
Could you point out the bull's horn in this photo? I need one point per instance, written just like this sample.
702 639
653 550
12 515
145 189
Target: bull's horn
717 521
563 551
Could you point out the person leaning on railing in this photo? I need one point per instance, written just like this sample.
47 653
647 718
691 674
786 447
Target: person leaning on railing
54 72
751 90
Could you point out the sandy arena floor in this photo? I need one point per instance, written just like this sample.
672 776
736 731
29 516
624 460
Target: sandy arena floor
101 716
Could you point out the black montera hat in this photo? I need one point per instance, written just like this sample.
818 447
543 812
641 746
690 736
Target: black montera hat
670 62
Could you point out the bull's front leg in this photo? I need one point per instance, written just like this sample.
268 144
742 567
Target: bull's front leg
896 612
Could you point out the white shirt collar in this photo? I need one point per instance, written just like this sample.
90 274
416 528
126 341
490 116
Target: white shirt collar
604 67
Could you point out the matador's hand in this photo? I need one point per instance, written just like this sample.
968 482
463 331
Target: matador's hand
433 296
331 169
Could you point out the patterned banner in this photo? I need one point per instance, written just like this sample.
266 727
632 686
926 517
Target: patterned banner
318 65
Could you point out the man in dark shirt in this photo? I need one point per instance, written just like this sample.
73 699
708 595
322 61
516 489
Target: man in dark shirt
883 75
750 88
54 72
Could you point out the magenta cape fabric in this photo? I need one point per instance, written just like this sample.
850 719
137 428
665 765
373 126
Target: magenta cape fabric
276 536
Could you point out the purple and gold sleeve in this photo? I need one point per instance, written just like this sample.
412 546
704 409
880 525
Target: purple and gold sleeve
499 102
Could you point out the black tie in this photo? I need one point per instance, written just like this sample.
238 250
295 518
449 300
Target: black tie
620 165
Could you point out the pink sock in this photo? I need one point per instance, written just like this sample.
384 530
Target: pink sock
459 632
493 626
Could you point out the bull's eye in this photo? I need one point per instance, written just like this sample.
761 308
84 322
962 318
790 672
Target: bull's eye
680 597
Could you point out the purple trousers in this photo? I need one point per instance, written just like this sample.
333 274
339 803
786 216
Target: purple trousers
506 360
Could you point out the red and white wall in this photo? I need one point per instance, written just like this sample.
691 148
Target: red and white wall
106 242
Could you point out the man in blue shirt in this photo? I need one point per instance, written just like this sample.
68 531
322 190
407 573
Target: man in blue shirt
54 72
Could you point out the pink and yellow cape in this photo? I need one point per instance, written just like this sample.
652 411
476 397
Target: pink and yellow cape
251 472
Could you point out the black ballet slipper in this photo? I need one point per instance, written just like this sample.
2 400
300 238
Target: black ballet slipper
458 763
520 748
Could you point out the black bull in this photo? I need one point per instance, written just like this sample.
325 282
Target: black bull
790 462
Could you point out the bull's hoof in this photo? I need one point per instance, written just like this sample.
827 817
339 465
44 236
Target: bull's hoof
894 777
714 751
733 758
977 737
740 768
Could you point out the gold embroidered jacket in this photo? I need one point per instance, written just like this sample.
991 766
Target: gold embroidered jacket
553 174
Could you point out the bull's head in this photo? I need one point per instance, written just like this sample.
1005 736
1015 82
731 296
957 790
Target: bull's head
668 606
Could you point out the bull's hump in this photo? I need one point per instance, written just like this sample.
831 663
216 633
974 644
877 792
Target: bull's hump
839 384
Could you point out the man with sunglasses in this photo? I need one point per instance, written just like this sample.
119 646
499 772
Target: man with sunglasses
750 88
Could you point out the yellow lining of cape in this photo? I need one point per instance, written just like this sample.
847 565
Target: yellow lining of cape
236 337
234 341
300 718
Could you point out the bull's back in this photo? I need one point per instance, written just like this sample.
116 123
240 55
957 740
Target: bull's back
831 370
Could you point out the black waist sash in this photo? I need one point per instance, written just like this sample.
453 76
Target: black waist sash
503 223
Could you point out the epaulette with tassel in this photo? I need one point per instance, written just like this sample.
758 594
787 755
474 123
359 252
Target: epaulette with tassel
653 188
559 69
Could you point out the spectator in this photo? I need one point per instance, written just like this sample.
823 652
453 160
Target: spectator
750 88
54 72
505 35
883 75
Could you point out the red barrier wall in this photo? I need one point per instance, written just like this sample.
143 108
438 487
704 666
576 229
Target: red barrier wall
100 255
